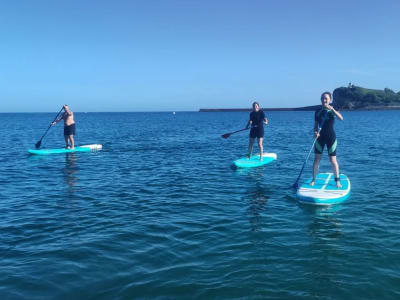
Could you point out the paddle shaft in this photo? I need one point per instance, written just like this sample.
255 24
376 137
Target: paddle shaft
239 130
50 126
226 135
296 184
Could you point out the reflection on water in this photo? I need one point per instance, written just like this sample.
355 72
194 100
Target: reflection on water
254 173
324 225
321 210
326 236
257 197
70 171
256 194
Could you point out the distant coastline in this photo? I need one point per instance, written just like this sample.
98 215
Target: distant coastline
345 98
305 108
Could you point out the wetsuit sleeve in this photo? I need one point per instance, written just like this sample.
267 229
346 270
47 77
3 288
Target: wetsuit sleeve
316 121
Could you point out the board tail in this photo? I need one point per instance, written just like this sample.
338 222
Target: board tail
93 146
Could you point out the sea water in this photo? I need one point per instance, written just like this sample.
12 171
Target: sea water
160 214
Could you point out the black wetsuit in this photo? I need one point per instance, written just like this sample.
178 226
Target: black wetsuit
257 124
327 135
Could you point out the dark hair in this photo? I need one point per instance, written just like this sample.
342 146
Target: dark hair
326 93
254 103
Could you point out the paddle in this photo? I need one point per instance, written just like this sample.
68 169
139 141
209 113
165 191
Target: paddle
226 135
296 184
37 145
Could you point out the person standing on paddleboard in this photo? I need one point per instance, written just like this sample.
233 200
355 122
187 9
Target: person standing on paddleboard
69 127
325 119
257 121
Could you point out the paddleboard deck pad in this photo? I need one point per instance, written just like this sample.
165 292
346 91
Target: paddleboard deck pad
83 148
324 192
254 161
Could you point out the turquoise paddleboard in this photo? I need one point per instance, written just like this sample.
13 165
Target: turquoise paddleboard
254 161
83 148
324 192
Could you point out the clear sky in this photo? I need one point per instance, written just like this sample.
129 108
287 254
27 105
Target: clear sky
184 55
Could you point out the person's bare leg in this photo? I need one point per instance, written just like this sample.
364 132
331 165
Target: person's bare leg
317 160
335 168
66 141
71 138
251 143
260 146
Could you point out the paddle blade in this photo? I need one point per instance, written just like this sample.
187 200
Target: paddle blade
37 145
226 135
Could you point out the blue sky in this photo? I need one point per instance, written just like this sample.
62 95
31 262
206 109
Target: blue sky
186 55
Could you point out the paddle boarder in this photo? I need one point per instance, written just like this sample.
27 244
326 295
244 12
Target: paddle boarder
256 121
325 117
69 127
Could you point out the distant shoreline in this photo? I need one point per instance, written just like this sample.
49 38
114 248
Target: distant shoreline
305 108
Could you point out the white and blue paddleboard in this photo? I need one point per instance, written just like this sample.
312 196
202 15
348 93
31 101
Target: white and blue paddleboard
83 148
324 191
254 160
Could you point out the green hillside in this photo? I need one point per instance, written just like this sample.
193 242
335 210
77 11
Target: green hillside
355 97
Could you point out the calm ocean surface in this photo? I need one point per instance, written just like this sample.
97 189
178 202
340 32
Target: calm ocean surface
160 214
